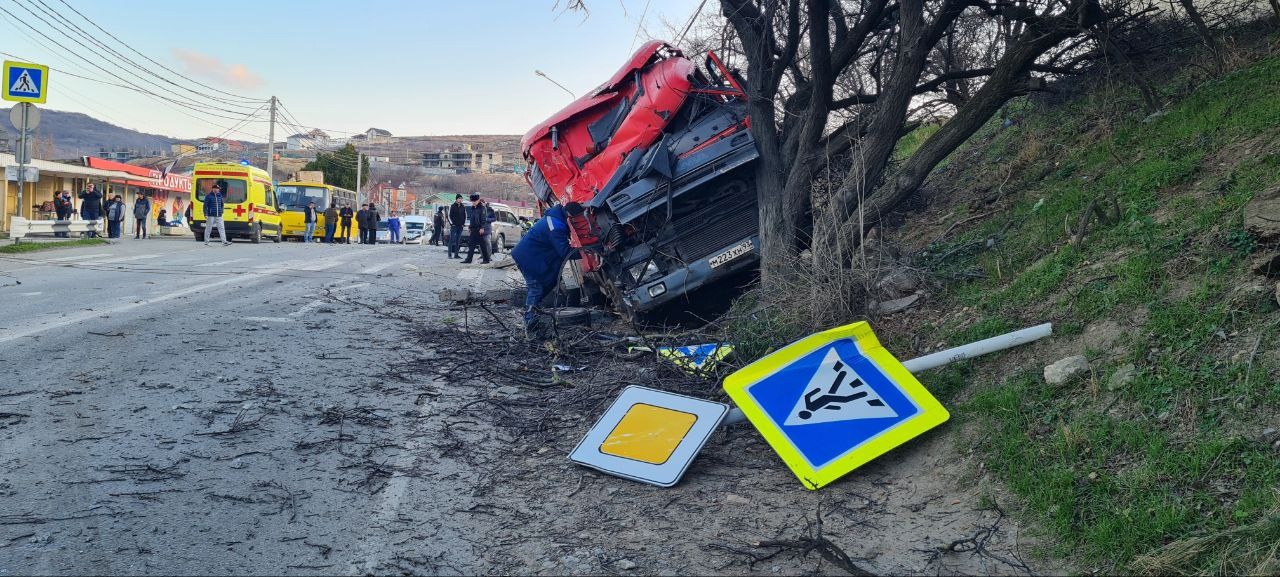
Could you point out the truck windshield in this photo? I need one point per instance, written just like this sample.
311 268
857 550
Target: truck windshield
296 198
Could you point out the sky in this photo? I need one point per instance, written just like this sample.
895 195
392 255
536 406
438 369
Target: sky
413 67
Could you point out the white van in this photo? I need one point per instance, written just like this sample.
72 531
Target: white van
413 229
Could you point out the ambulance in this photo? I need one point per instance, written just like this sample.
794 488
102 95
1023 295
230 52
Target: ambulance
251 209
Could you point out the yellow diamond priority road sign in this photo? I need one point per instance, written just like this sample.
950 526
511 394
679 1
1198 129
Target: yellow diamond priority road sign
649 436
833 401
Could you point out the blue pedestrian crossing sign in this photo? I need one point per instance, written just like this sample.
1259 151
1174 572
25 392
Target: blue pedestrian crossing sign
25 82
695 358
833 401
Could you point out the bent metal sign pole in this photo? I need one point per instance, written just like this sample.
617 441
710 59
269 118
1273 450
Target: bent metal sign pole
827 404
831 402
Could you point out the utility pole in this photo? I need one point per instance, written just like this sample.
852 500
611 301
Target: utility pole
271 144
359 171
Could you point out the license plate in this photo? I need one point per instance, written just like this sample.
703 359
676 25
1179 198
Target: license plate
738 250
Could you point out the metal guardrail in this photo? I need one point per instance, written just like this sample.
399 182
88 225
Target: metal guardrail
20 227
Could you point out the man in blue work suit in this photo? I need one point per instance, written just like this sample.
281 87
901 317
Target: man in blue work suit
541 253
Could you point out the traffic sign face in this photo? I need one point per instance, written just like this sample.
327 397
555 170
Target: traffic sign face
649 436
833 401
696 357
25 82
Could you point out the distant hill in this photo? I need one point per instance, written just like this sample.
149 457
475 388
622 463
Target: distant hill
75 134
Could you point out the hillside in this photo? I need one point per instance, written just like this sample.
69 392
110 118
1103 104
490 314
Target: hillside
76 134
1150 241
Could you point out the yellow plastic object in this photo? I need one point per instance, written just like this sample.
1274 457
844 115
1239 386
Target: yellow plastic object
833 401
648 434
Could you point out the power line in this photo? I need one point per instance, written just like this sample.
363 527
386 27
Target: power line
184 104
149 59
84 34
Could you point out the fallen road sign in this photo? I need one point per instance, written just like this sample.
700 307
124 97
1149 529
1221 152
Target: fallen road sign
833 401
695 358
649 435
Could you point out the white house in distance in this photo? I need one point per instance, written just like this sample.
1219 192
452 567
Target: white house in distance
373 136
312 140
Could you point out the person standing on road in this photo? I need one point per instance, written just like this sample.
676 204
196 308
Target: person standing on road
371 235
90 205
330 223
362 219
63 208
115 216
478 222
309 218
141 212
437 227
540 254
214 203
457 218
393 227
345 214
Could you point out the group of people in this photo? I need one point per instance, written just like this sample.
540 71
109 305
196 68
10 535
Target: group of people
477 219
337 224
95 206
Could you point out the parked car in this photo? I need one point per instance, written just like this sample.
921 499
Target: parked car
507 231
413 229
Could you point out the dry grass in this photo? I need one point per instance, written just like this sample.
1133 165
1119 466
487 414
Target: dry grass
1251 549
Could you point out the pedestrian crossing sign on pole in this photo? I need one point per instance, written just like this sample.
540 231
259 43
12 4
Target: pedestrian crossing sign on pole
25 82
833 401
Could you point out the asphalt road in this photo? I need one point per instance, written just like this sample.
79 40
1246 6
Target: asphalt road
175 408
167 408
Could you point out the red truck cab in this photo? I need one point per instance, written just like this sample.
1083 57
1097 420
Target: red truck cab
661 157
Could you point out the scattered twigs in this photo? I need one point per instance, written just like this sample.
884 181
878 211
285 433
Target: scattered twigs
240 424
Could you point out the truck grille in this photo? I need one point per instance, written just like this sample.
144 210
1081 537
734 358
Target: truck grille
703 240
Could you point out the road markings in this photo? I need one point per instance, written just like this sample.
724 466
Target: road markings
348 287
22 332
224 262
375 268
130 258
77 257
37 293
313 305
268 319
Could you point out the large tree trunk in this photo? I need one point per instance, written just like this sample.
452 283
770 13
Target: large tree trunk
1009 79
1206 35
1275 8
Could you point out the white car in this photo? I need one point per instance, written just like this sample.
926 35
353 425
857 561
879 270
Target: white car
413 229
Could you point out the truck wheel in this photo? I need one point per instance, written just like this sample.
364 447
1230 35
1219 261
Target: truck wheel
279 235
256 236
502 242
199 235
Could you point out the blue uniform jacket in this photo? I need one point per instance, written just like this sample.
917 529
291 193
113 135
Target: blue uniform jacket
543 250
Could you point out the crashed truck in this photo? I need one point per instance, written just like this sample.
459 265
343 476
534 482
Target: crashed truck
662 158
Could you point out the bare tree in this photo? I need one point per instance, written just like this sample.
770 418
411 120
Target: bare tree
834 79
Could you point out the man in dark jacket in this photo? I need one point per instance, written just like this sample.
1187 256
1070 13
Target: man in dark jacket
63 208
362 221
371 231
437 227
115 216
457 218
309 217
541 254
478 222
90 205
345 215
330 223
141 213
215 202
